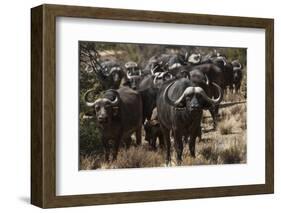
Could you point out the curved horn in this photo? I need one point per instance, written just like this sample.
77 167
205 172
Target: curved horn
113 69
129 75
156 77
104 71
224 61
207 79
240 66
154 80
221 58
169 74
174 66
127 65
207 98
153 70
140 72
234 63
161 75
176 103
88 103
116 100
186 56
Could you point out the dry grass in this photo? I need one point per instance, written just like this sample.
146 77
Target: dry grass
134 157
226 126
138 157
225 145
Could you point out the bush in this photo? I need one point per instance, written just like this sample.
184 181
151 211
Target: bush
232 155
138 157
226 126
89 138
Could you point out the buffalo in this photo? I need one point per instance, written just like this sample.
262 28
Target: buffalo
237 75
110 74
203 75
153 131
227 70
133 75
114 121
180 105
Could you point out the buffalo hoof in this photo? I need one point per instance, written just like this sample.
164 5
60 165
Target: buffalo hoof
168 163
179 162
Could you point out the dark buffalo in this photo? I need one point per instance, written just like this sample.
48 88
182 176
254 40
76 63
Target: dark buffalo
110 74
148 92
148 89
171 63
212 71
153 131
155 64
133 75
180 105
227 70
114 119
203 75
237 75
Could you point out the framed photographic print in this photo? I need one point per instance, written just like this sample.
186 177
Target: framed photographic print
137 106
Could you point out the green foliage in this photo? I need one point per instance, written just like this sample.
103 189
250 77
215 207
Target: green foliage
89 138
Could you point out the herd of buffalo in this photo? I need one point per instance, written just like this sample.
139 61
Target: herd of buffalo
167 97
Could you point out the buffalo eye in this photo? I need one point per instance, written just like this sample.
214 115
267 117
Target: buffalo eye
107 106
97 108
188 97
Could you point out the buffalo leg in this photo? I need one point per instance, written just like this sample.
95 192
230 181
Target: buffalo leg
231 88
153 142
106 149
166 135
199 133
214 117
179 147
192 145
237 87
161 141
116 148
138 136
128 142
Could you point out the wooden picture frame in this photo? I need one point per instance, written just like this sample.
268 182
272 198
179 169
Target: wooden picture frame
43 105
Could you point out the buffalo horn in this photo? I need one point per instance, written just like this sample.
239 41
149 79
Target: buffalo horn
129 75
207 79
116 100
153 70
88 103
176 103
207 98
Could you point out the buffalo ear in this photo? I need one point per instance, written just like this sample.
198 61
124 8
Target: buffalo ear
115 110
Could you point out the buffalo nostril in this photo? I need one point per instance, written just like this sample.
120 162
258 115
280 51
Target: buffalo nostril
102 118
195 107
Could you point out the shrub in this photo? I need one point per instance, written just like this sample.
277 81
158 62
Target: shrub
89 138
226 126
138 157
231 156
